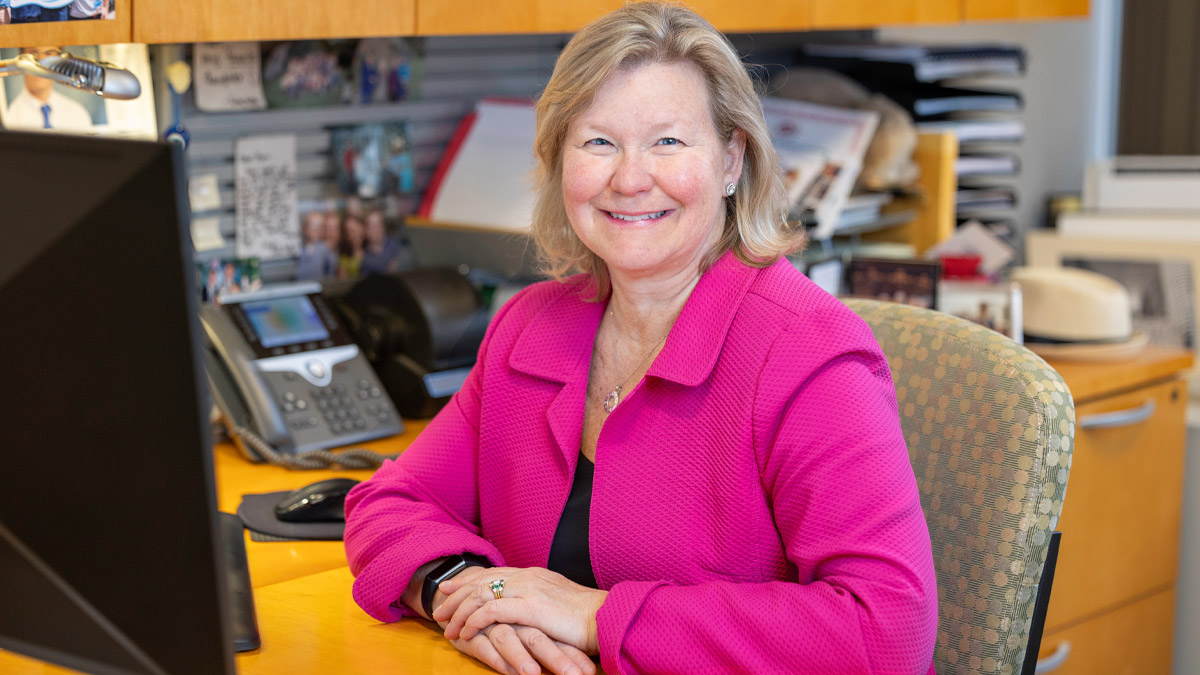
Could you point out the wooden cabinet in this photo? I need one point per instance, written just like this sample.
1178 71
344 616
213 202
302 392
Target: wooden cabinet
62 33
1126 641
477 17
158 21
837 14
236 20
1114 586
1007 10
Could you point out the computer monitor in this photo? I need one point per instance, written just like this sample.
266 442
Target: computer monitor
109 551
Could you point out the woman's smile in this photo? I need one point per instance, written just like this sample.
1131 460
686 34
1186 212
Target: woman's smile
638 217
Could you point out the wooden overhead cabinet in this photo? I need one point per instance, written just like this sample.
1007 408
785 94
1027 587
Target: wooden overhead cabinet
1009 10
61 33
156 21
839 14
484 17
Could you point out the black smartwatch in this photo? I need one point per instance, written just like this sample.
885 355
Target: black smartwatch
452 565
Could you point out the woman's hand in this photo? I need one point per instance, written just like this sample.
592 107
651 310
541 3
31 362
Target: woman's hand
507 649
536 597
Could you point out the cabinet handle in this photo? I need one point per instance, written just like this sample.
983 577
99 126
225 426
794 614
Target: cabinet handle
1118 418
1054 661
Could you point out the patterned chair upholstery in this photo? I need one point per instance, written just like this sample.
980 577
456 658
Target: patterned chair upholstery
990 429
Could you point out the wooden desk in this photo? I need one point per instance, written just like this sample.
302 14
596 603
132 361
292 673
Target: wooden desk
311 625
274 561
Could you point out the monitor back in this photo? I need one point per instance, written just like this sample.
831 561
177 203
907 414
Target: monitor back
108 542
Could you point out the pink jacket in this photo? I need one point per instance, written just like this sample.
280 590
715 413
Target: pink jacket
753 506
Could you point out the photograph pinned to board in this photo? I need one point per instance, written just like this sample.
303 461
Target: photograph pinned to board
904 281
1162 278
219 278
37 104
349 238
994 305
385 70
307 73
19 12
374 160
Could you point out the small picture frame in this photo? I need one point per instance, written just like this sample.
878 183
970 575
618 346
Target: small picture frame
994 305
905 281
828 273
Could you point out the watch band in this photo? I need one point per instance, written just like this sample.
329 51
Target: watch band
450 567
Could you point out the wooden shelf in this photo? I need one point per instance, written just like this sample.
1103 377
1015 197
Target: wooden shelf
935 154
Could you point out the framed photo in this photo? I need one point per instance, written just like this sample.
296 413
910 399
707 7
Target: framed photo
349 238
78 10
993 305
37 104
1161 277
373 160
906 281
828 274
218 278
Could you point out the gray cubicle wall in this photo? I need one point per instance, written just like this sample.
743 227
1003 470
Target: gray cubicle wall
456 73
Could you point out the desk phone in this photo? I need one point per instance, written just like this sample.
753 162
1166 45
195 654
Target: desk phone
279 363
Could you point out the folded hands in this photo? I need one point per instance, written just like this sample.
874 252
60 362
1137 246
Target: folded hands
543 617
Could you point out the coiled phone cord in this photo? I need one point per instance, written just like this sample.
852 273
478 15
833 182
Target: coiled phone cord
350 458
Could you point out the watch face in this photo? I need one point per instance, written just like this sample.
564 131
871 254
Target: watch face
443 572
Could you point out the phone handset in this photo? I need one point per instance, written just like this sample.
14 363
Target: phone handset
238 387
289 405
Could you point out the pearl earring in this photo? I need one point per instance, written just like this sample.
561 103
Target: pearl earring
730 189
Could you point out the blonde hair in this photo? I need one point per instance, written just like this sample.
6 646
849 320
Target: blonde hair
641 34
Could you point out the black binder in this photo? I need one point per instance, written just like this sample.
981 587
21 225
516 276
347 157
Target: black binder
897 62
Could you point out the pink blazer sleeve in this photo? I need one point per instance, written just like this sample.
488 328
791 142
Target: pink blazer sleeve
833 461
422 506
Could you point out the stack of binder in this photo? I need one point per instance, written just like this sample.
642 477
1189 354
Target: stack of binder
986 120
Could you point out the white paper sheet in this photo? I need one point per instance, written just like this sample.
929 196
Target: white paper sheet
490 183
206 234
267 212
228 76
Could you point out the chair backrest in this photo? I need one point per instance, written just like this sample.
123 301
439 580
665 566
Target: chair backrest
990 429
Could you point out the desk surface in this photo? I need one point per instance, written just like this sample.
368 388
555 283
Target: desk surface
273 562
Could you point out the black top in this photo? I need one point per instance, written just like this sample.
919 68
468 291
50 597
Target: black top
569 554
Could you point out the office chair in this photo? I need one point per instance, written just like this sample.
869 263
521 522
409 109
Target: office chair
990 429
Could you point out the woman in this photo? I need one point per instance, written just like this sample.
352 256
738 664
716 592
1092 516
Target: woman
352 247
687 458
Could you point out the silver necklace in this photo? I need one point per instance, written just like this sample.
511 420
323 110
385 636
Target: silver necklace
614 396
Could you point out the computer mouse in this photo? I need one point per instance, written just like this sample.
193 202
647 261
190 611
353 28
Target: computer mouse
320 502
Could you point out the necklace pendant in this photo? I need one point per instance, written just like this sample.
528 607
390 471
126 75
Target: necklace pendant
613 398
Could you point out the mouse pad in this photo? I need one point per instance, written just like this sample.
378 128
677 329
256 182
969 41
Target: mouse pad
258 513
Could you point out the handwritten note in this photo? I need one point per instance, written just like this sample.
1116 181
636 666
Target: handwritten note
267 214
228 76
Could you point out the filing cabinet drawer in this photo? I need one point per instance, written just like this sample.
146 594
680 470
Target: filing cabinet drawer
1120 521
1131 640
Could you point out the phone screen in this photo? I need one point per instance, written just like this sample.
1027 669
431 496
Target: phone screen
284 321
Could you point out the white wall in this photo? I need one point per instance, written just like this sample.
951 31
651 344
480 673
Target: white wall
1069 96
